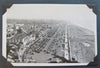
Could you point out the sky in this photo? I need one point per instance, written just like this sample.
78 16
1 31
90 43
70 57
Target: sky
78 14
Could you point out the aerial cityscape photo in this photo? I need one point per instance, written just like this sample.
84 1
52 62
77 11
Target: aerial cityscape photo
48 41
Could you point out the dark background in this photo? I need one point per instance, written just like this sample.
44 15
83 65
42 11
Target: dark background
92 4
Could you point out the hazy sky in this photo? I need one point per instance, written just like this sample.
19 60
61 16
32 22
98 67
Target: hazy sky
77 14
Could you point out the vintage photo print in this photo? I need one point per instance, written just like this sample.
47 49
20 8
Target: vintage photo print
49 35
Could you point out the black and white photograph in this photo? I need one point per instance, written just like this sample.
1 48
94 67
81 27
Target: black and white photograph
49 34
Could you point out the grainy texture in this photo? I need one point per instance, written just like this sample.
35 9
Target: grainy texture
51 41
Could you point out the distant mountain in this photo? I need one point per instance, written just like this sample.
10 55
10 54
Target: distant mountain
24 21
